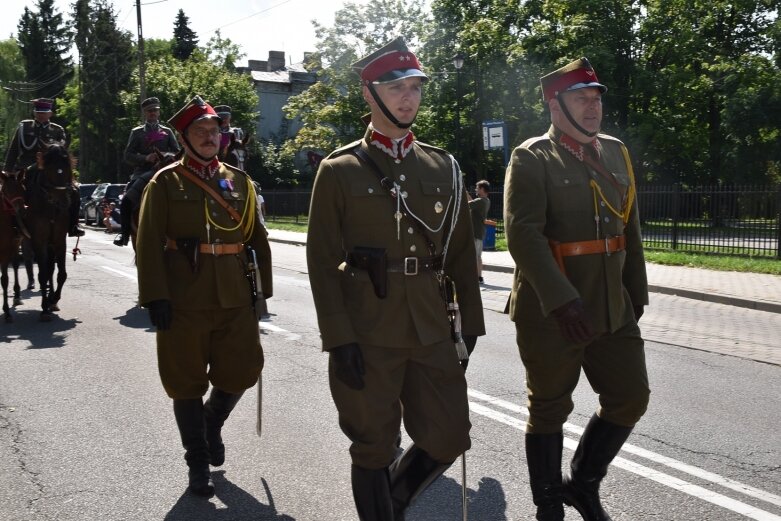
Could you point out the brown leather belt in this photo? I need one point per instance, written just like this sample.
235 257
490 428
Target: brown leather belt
607 245
407 265
216 248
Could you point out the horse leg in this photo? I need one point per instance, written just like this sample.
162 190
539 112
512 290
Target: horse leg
17 288
45 268
4 283
62 275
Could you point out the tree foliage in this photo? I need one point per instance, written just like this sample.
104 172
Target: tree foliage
44 40
12 108
185 39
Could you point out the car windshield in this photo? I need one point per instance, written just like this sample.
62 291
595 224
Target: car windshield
114 191
86 190
99 191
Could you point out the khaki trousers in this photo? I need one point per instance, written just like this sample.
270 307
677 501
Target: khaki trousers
221 346
614 365
424 384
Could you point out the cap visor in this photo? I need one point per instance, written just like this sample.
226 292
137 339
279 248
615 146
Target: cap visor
579 86
400 74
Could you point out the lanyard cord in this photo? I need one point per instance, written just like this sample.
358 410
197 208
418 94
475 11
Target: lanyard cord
630 195
247 223
458 186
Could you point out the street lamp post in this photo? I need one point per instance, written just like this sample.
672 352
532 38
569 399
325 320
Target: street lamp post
458 62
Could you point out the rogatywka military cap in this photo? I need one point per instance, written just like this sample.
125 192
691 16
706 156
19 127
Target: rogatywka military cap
222 110
391 62
42 104
150 103
195 110
578 74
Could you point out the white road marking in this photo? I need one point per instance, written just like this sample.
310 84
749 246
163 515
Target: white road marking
120 272
659 477
276 329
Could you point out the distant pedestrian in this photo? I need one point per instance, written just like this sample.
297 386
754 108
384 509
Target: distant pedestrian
478 209
580 287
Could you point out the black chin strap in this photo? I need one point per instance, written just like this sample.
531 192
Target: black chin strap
206 160
574 123
385 110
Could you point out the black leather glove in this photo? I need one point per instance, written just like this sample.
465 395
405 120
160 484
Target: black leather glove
348 365
160 313
469 341
639 310
574 322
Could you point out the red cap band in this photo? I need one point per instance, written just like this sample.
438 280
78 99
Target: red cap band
569 79
395 60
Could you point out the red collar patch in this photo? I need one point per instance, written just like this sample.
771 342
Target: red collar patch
396 148
206 171
576 148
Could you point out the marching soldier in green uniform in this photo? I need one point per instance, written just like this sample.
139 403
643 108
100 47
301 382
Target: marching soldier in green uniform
579 289
140 152
200 248
31 137
389 231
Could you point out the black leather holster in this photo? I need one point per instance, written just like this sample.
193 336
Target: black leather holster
375 262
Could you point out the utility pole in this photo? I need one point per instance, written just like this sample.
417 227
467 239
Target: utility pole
141 80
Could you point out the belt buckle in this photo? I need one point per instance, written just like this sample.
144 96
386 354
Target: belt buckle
410 265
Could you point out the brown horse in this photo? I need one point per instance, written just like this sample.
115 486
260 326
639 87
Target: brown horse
48 190
11 205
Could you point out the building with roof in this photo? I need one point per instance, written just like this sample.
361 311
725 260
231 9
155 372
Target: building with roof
275 82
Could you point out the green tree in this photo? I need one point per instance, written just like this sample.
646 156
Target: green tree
185 39
330 110
106 67
223 52
12 107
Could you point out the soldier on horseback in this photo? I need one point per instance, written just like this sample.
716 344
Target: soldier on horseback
233 140
30 138
140 152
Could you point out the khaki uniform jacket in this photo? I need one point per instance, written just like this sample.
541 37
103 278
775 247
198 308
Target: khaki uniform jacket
350 208
173 207
547 196
138 147
28 140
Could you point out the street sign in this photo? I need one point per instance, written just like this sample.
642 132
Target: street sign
495 137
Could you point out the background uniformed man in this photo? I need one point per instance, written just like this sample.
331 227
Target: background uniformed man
579 289
31 137
375 285
227 131
140 152
192 274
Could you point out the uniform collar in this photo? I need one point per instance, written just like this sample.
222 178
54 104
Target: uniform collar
151 126
574 147
395 148
205 172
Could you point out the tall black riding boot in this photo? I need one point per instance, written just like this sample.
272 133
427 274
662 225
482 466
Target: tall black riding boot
192 428
543 457
126 220
599 444
371 492
410 475
216 410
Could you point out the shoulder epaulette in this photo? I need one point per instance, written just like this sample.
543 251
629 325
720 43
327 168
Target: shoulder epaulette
432 147
234 169
607 137
139 127
345 149
168 168
529 143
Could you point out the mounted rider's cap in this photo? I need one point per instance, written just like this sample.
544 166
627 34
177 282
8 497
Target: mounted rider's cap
195 110
150 104
42 104
391 62
578 74
224 111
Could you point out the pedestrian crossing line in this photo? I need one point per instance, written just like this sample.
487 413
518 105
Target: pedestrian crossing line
662 478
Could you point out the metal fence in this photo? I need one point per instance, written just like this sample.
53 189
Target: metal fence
735 220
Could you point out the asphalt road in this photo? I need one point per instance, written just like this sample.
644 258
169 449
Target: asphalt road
87 433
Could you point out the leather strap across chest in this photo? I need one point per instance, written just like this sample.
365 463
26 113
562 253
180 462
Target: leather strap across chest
209 190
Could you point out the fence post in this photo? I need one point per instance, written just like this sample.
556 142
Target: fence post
676 214
778 223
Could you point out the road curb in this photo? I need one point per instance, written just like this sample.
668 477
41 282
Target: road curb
770 307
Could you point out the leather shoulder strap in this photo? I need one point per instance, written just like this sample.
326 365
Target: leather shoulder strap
179 169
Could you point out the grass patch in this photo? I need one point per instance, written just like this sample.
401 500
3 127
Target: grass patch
715 262
288 224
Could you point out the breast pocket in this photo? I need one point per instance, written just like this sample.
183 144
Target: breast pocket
569 192
369 204
185 213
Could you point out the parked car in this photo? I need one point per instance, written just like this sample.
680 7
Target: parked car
85 191
103 195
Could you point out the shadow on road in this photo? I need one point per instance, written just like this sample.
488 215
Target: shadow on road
135 317
443 501
41 335
239 505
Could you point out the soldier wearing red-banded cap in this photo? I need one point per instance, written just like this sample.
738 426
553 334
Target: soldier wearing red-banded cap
389 224
199 219
579 289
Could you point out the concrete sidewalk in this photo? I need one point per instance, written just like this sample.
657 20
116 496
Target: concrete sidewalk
748 290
